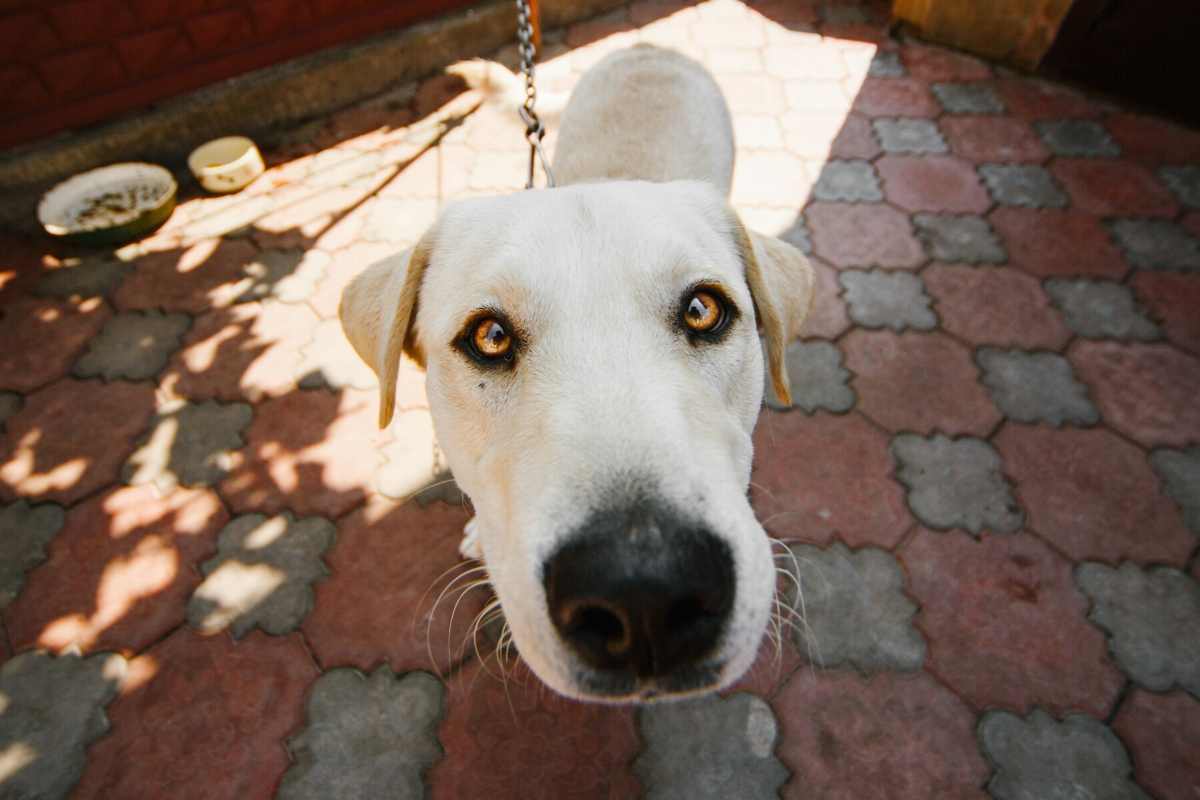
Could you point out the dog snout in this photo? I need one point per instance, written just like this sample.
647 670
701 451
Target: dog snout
640 598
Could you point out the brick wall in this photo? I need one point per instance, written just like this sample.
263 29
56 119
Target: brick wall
68 63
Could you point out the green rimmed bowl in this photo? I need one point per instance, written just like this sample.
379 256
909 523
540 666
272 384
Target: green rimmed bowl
109 205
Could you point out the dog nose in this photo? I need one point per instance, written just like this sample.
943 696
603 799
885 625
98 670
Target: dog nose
646 599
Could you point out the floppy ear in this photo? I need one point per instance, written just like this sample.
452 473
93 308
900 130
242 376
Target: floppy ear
377 312
781 283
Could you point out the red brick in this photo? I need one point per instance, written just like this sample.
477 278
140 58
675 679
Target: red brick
274 17
28 33
518 739
120 571
1114 188
895 97
855 139
1000 306
932 183
220 30
919 382
1052 243
825 477
1006 626
1146 391
1155 140
1172 298
89 21
203 276
828 318
844 736
932 63
43 338
1161 731
71 438
993 139
145 54
91 70
23 89
1093 495
857 235
1036 99
202 718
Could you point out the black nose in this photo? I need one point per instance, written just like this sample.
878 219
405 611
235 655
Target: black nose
636 593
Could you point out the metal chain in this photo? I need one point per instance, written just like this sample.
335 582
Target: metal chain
534 130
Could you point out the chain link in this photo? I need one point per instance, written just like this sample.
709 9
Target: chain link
534 130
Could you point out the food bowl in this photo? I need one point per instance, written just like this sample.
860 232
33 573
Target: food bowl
227 164
109 205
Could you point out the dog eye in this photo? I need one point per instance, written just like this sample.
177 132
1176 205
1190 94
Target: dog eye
705 312
490 339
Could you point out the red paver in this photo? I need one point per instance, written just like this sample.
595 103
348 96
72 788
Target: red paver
932 63
918 382
120 571
1006 626
71 438
1147 391
311 452
895 97
43 338
821 477
995 306
844 737
809 64
1161 731
1053 243
828 317
203 276
344 266
856 139
933 183
858 235
1093 495
812 134
773 666
1172 299
1031 98
770 178
1114 188
1153 139
519 739
993 139
202 718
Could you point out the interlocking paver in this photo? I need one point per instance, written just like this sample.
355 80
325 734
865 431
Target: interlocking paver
133 346
855 139
959 238
1101 310
10 403
1184 181
1156 244
895 97
42 338
886 64
1159 730
1154 139
1180 472
208 274
1063 243
25 531
53 710
90 277
818 379
711 748
809 63
855 235
882 299
816 95
932 183
411 458
828 318
1035 387
188 444
848 182
933 63
1022 185
289 276
770 178
1038 99
992 139
955 483
999 306
1041 757
909 136
1077 137
1150 616
1113 187
1172 299
968 98
328 361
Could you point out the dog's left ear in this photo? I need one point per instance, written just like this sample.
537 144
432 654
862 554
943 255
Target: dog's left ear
782 285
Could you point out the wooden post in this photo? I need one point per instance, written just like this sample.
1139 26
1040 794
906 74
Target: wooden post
537 27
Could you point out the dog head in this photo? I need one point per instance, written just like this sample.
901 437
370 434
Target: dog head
594 371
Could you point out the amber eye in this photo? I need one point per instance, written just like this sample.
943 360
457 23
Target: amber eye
490 339
704 312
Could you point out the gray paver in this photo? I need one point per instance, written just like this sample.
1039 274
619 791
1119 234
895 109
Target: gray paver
1156 244
25 531
855 610
1077 137
133 346
1038 758
188 444
93 277
1151 616
1035 387
909 136
1180 471
10 403
411 464
262 574
797 236
885 64
848 182
1101 309
1025 185
289 276
817 377
366 736
968 98
52 708
955 483
709 748
882 299
959 238
328 360
1184 181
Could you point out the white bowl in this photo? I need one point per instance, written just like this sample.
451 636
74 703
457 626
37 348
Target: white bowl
110 204
227 164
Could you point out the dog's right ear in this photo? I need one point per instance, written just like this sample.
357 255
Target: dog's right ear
377 311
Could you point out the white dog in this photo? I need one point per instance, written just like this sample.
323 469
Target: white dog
594 372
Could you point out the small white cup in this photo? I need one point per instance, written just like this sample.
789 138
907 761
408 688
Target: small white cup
227 164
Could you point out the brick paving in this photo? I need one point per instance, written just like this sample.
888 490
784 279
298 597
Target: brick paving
219 580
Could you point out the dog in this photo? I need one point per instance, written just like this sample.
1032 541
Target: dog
595 371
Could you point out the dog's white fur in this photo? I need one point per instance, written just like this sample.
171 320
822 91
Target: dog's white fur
607 398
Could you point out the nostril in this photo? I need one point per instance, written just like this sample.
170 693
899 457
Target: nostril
690 609
599 628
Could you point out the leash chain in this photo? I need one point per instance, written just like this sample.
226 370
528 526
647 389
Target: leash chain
534 130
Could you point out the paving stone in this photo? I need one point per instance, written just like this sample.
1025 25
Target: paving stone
895 97
1172 299
1093 495
808 95
1184 181
933 63
886 64
955 483
188 444
1035 387
802 490
854 139
1077 137
366 736
43 337
346 264
1151 616
411 463
853 235
1160 731
1099 310
1180 472
133 346
1006 625
289 276
849 182
1052 243
1034 98
968 98
1111 188
932 183
1156 244
828 318
1040 757
993 139
1154 139
846 736
817 377
881 299
207 274
53 710
770 178
1022 185
10 403
959 238
25 531
328 361
909 136
90 277
1002 307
